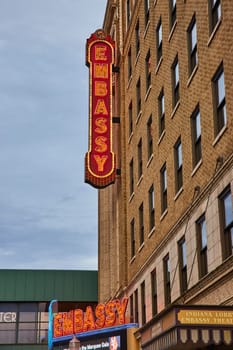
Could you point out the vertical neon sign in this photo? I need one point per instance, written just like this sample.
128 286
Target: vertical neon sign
100 159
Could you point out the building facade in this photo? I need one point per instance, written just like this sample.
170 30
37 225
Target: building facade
166 224
25 296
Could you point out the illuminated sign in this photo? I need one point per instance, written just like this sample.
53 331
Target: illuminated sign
100 159
110 343
78 321
210 317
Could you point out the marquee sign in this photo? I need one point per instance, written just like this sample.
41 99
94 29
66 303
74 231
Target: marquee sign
205 316
78 321
100 159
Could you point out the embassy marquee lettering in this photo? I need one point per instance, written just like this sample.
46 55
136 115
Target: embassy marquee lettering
100 160
78 321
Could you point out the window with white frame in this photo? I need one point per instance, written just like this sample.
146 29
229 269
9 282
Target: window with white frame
147 11
214 13
192 45
202 246
159 40
148 70
178 165
226 220
154 300
172 10
163 183
149 138
132 234
140 169
167 281
151 197
141 224
175 82
130 114
196 136
219 100
138 96
183 265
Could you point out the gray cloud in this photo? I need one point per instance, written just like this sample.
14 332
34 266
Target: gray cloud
48 216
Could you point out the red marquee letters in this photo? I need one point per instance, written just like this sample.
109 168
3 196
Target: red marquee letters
77 321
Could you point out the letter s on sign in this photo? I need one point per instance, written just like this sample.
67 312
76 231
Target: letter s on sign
101 125
100 141
110 310
100 315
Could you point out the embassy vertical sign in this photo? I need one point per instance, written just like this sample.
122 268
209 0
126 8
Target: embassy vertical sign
100 159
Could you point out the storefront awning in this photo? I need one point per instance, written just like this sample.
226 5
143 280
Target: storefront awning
190 327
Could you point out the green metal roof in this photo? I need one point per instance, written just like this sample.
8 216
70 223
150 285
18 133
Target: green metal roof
45 285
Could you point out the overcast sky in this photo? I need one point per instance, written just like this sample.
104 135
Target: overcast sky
48 215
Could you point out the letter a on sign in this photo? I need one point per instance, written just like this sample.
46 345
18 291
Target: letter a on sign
100 159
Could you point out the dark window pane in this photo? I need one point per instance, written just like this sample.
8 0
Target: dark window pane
219 100
27 333
226 222
149 138
154 293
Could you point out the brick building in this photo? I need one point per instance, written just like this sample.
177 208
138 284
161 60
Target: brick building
166 224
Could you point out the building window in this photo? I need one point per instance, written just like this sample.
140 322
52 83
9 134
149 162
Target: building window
154 293
148 70
140 159
129 64
137 38
131 177
219 100
161 112
183 265
132 232
159 40
172 10
130 113
147 11
167 283
143 302
27 317
138 93
151 207
131 308
175 82
196 136
136 306
226 219
214 13
141 224
163 180
26 323
178 165
149 138
128 12
202 246
192 45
